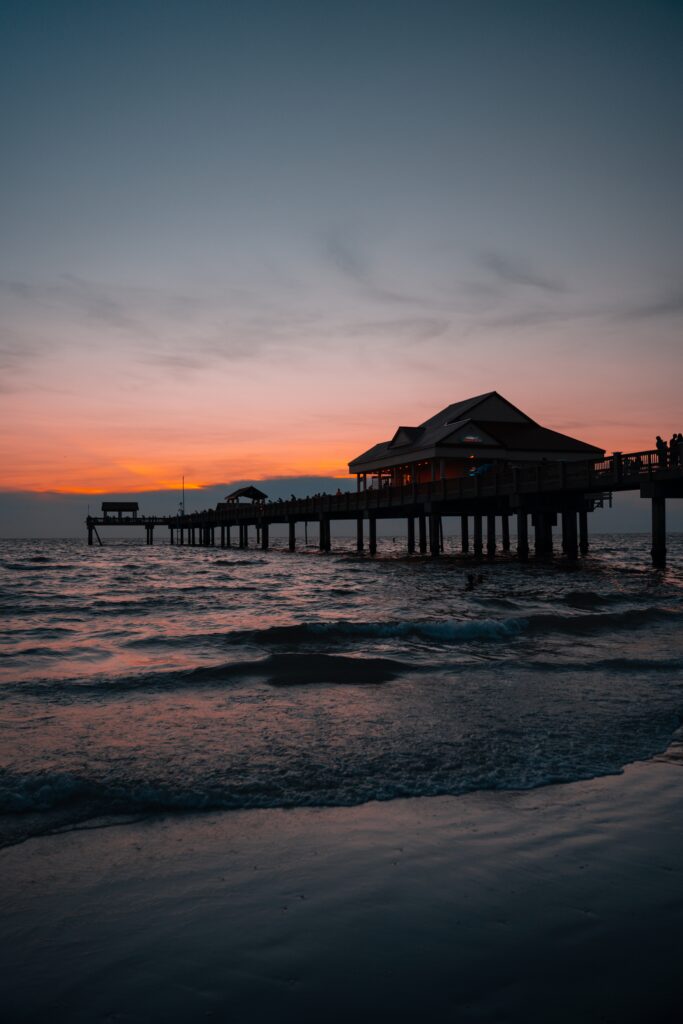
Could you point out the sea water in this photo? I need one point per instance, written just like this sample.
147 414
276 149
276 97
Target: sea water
136 680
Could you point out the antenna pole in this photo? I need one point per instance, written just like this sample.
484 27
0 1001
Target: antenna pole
183 495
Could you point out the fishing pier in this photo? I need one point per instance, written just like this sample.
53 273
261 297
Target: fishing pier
537 497
481 460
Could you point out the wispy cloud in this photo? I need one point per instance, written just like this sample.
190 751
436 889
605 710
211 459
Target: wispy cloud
667 304
404 329
353 265
516 271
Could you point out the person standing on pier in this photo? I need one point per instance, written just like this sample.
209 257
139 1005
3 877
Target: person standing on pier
674 450
662 451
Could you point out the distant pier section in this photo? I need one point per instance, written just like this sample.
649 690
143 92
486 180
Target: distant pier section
481 461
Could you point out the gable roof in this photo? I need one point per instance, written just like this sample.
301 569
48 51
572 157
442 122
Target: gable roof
511 431
247 492
459 410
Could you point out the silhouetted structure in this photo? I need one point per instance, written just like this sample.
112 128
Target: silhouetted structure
462 439
119 507
493 462
251 493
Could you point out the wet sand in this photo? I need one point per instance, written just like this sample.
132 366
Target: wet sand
557 904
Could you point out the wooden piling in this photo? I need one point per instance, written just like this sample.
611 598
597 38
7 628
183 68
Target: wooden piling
324 543
543 534
478 536
411 535
372 531
583 531
464 535
422 531
505 524
569 534
522 536
490 535
659 532
359 533
292 534
434 535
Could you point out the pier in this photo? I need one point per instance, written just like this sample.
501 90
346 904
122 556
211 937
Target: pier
538 497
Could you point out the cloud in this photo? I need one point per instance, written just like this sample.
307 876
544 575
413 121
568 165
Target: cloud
518 272
350 263
666 304
405 329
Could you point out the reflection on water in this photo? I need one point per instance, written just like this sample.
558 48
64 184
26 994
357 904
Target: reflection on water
136 678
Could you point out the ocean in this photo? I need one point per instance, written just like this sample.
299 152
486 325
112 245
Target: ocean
140 680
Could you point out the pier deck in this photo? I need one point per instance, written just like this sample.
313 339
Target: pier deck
543 490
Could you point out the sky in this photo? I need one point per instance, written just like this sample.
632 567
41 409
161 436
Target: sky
247 240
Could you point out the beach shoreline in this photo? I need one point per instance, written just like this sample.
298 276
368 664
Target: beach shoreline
562 903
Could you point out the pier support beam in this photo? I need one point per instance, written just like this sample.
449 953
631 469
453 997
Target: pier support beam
659 532
222 536
583 531
422 531
435 535
478 536
490 535
90 536
543 533
359 534
505 523
243 539
372 530
464 535
411 535
570 540
522 537
264 537
324 533
181 535
292 535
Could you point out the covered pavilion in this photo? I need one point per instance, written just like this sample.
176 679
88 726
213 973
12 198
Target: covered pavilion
465 439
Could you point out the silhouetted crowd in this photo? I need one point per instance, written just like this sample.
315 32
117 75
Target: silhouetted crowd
670 454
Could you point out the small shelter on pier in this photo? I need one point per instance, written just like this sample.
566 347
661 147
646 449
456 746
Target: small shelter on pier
465 439
250 493
119 508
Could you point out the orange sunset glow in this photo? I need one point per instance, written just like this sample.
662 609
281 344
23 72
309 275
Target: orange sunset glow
98 407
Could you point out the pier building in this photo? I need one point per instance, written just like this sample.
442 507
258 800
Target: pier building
465 438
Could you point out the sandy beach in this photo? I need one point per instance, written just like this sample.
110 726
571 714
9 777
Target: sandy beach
559 904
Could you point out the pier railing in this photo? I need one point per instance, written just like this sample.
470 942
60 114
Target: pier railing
617 472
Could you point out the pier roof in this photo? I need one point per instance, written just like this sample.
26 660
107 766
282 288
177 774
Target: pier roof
251 493
486 426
